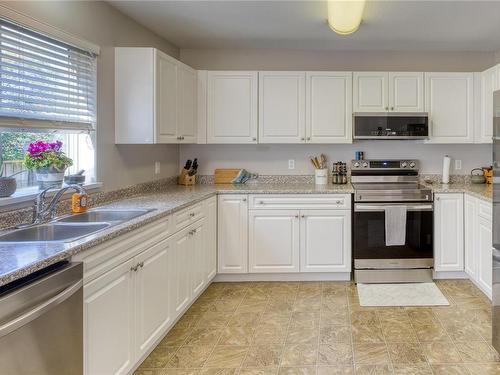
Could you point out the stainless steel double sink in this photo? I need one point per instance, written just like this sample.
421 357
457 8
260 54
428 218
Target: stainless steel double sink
72 227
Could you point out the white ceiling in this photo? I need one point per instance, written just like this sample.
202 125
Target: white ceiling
387 25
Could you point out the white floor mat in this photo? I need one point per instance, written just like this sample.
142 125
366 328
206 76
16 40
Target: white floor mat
412 294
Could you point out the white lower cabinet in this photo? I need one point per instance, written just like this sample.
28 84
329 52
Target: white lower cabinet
289 233
129 307
273 241
478 243
325 241
108 306
152 300
232 239
449 232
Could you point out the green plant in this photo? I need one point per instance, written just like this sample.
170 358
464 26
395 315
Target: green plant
43 154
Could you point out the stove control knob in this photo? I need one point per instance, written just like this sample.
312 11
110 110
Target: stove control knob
365 164
412 164
356 165
404 164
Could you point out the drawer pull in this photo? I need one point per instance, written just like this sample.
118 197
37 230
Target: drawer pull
303 216
261 202
338 202
191 214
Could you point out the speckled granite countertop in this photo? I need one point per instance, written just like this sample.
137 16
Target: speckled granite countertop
481 191
19 260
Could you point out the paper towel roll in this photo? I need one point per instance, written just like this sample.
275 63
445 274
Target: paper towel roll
446 169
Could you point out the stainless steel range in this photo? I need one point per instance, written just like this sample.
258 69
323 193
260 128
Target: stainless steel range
392 222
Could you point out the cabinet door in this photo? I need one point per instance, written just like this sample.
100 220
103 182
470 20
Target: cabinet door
449 102
153 313
187 109
282 107
406 91
180 277
273 244
448 232
211 239
370 92
329 107
108 310
166 99
470 236
489 79
232 107
198 257
232 229
325 237
484 234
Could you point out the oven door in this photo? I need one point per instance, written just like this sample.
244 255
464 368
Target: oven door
369 247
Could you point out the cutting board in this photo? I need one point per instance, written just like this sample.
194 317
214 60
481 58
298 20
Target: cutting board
225 176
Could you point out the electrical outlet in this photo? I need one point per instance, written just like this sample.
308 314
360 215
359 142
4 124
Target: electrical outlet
458 164
291 164
157 167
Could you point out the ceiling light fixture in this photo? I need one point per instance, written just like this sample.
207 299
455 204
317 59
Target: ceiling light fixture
344 16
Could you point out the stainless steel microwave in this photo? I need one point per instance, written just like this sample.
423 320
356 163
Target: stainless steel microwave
391 125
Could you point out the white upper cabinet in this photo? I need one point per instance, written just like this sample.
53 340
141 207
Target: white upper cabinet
489 84
370 92
232 107
329 107
449 102
155 98
406 91
187 106
449 232
282 107
388 91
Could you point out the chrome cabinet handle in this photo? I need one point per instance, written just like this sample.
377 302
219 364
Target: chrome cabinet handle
134 268
437 198
296 216
191 214
392 108
302 139
244 200
338 202
254 139
308 138
386 108
261 202
303 216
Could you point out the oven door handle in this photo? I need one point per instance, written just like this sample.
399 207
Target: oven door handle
381 207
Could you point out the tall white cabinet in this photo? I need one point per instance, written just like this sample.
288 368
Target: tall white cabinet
232 107
388 91
233 233
282 107
449 100
489 83
448 232
329 107
155 98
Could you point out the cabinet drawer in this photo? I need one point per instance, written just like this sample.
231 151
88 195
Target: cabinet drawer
187 216
300 201
485 210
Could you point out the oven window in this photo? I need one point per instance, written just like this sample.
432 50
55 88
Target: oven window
369 236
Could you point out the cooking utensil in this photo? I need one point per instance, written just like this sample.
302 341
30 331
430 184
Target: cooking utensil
477 178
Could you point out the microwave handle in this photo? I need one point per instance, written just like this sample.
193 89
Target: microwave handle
381 207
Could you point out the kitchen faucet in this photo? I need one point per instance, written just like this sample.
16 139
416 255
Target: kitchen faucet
43 212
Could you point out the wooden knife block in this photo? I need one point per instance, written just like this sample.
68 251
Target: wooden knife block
186 180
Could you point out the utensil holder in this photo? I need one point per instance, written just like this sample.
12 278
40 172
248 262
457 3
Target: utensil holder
321 176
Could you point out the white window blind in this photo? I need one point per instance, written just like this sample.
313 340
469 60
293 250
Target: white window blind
44 83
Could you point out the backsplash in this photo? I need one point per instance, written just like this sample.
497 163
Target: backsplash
273 159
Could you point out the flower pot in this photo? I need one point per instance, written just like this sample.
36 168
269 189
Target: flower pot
8 186
49 177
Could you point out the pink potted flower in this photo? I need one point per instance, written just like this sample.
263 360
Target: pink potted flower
48 161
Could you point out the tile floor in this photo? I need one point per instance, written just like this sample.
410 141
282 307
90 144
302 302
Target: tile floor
318 328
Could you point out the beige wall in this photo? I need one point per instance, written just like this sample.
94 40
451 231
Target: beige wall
262 59
99 23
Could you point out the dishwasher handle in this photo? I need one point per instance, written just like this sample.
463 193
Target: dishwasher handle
40 309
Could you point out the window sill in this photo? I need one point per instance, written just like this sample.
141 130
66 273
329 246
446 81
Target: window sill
25 197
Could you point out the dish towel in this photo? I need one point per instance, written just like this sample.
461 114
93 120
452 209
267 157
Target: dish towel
395 225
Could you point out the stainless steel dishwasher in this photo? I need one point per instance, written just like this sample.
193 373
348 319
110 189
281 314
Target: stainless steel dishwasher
41 323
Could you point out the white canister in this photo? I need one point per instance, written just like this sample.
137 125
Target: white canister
321 176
